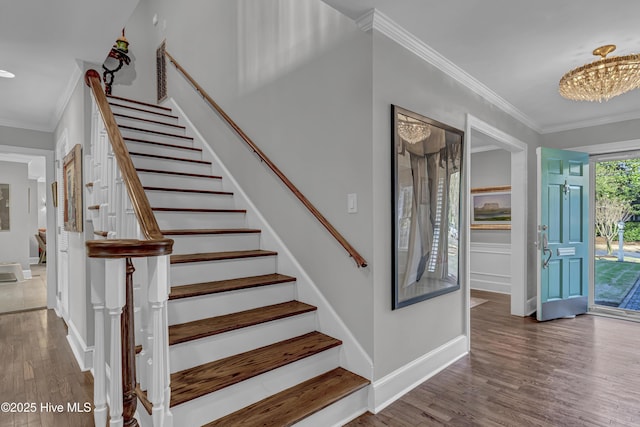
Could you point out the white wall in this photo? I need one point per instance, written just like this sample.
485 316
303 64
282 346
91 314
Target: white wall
14 244
402 78
76 122
26 138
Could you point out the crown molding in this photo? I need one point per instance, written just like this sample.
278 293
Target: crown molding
63 101
606 120
376 20
19 124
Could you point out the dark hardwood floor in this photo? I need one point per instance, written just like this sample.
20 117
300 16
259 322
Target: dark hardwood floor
38 367
570 372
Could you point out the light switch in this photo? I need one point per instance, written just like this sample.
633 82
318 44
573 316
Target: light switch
352 203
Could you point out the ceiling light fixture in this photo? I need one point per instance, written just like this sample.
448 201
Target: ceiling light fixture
6 74
412 130
602 79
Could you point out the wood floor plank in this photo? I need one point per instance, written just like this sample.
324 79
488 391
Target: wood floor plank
566 372
197 329
206 288
296 403
39 367
195 382
191 232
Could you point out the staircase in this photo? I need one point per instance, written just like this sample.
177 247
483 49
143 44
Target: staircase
242 349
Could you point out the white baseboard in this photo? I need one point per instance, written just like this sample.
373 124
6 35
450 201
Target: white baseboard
27 274
82 353
532 305
34 260
486 285
394 385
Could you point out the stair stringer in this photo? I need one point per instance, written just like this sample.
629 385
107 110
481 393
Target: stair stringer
352 355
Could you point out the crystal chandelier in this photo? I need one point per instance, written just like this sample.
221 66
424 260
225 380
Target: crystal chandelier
602 79
413 131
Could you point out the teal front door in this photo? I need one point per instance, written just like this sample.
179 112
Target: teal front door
563 233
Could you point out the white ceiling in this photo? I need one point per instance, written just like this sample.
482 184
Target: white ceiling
40 42
520 49
517 49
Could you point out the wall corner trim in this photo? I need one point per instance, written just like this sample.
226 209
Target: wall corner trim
82 353
391 387
376 20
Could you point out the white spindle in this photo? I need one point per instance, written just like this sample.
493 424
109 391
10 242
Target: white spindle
115 276
99 368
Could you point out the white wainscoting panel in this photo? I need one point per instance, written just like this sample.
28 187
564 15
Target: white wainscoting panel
491 267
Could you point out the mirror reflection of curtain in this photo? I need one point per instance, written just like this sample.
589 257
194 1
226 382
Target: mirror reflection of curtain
433 161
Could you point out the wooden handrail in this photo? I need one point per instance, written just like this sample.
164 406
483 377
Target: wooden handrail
142 208
345 244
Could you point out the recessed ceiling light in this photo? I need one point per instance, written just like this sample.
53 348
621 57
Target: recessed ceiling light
6 74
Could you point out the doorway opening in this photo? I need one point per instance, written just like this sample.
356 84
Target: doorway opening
520 303
616 233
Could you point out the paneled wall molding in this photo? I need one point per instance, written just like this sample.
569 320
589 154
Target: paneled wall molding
491 267
376 20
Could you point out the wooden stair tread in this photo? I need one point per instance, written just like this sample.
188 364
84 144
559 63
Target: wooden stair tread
161 144
296 403
138 102
206 288
130 107
178 159
201 328
193 175
185 190
202 210
218 256
155 122
194 382
195 231
156 132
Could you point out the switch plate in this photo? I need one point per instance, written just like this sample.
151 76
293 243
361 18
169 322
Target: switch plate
352 203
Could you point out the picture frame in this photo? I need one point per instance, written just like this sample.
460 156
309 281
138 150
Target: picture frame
5 207
491 208
426 174
72 175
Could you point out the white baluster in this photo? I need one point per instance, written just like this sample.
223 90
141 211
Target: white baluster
115 271
159 383
99 368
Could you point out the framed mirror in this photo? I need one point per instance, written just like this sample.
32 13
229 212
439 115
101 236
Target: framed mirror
426 175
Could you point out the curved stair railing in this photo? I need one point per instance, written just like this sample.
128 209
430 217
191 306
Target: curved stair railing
360 261
121 212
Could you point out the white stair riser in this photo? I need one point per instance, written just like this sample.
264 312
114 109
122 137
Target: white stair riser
197 272
137 105
139 147
223 402
146 136
189 309
153 126
341 412
177 181
170 165
195 220
195 353
144 114
169 199
215 243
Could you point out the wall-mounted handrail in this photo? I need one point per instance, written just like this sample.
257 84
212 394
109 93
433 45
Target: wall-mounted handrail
148 224
314 211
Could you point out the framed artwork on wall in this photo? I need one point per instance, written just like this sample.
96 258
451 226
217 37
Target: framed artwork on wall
72 172
491 208
5 208
426 173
